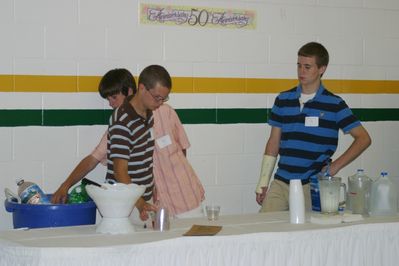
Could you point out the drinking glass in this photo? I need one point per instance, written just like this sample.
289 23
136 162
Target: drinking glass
212 212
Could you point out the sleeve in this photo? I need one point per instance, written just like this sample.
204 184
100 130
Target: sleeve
345 118
119 138
275 117
181 136
100 152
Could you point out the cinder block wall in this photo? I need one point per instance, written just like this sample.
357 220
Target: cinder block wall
45 43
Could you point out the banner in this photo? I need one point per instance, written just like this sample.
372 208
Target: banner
170 15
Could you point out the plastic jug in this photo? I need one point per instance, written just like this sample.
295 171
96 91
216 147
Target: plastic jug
359 187
383 201
31 193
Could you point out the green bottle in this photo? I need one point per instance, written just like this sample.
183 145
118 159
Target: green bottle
78 194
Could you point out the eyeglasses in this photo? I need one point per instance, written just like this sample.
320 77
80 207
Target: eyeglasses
158 98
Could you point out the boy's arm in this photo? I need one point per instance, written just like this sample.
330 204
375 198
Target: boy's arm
85 166
121 171
268 163
361 141
80 171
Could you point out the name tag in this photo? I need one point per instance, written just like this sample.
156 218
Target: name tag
311 121
164 141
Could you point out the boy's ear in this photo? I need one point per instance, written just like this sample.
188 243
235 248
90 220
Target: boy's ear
129 91
322 69
141 87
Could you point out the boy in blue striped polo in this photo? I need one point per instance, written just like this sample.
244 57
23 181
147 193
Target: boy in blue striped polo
305 124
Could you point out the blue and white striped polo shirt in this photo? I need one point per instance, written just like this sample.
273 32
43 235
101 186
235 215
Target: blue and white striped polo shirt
304 149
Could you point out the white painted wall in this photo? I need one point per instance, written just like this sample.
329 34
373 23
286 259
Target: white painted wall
89 37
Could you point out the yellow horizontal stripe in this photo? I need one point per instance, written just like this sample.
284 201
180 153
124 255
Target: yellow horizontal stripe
88 83
269 85
6 83
31 83
41 83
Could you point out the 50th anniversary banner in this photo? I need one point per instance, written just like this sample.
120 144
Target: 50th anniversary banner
197 16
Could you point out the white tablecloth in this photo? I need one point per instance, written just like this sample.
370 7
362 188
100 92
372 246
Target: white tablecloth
258 239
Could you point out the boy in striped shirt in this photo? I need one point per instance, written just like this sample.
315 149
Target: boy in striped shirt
130 134
305 122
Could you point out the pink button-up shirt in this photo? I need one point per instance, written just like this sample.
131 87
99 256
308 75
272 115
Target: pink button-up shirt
178 188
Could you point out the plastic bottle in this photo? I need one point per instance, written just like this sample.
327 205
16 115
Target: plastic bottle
78 194
315 188
383 197
359 186
315 193
31 193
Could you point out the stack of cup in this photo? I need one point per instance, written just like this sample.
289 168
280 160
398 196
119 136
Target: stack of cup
296 202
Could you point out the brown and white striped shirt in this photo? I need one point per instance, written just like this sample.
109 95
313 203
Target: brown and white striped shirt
130 137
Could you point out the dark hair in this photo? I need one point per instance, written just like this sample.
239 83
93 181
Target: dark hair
115 81
154 74
317 50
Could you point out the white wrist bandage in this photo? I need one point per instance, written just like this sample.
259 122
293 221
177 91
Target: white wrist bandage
268 164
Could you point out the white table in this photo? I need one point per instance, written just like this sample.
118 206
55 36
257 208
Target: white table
256 239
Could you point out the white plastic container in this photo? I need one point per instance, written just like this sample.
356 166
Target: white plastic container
296 202
383 197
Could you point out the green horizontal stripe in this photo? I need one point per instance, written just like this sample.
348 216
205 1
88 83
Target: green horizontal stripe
377 114
13 118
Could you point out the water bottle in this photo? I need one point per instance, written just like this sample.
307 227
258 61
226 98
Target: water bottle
383 197
315 188
31 193
315 193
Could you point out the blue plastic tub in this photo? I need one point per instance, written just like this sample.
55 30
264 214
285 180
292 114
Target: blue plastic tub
51 215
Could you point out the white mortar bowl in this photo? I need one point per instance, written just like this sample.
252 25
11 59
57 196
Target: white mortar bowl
115 203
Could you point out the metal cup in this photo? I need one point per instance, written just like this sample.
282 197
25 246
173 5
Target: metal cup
162 220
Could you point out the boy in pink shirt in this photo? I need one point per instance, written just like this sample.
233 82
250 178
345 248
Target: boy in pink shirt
177 187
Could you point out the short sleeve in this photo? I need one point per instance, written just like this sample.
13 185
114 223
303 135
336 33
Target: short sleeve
181 135
100 152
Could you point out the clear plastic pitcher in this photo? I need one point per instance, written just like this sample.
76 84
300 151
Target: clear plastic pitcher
359 187
330 189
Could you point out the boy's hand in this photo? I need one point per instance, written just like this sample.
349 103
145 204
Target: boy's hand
145 207
261 196
61 195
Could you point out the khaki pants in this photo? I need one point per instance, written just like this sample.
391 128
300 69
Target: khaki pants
277 197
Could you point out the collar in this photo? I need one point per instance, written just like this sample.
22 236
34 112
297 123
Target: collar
319 91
